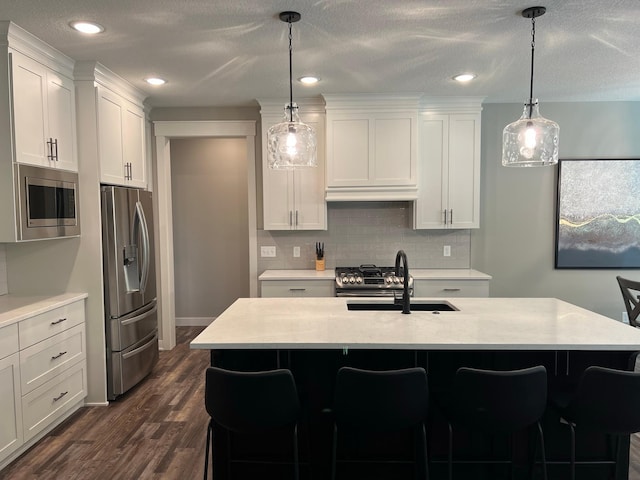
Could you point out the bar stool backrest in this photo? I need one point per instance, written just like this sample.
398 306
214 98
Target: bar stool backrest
498 401
247 402
630 294
607 400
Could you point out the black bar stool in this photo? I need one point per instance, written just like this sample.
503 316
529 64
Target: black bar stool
605 401
369 401
496 402
249 403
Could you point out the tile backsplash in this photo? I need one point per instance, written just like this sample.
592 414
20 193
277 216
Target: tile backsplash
367 232
4 289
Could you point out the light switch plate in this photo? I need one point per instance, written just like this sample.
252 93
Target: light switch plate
267 251
447 251
296 252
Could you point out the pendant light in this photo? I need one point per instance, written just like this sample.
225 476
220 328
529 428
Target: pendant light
531 141
291 143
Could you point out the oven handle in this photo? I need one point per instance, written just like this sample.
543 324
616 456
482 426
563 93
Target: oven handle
370 293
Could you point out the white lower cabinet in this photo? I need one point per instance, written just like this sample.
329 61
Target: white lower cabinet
298 288
43 375
10 405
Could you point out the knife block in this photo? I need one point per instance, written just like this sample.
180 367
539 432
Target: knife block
320 264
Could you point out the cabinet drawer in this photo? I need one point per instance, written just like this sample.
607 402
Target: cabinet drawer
299 288
44 360
451 288
37 328
8 340
45 404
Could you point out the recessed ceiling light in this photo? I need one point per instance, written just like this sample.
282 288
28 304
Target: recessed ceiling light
308 80
155 81
465 77
87 27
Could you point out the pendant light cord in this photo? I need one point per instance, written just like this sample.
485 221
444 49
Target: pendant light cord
290 76
533 46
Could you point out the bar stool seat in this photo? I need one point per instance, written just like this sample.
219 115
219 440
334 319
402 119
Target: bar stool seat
248 403
606 401
496 402
368 401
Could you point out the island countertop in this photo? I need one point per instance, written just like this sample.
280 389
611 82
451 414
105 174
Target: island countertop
480 324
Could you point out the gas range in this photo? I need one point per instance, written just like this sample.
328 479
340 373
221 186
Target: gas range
369 281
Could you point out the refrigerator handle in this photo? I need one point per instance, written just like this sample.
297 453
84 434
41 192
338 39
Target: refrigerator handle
146 260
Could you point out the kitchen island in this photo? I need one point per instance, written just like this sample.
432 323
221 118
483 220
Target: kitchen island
316 336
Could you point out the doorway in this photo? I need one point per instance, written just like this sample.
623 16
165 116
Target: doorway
165 133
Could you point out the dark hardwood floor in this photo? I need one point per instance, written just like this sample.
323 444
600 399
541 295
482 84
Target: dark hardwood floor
157 431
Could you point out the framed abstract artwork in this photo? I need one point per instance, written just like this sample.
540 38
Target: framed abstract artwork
598 214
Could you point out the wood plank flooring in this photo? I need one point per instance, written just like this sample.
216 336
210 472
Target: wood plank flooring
157 431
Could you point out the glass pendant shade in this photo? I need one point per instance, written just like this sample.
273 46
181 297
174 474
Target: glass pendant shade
291 143
531 141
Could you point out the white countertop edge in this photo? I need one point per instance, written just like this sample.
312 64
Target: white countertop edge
417 273
15 308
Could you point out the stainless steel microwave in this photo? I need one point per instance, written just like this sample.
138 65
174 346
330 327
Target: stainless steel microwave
46 203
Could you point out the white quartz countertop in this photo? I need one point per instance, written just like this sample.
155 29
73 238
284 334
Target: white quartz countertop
417 273
480 324
14 308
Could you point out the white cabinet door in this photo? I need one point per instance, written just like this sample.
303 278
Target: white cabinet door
29 79
294 199
371 149
62 120
11 436
110 137
121 133
449 195
44 115
133 145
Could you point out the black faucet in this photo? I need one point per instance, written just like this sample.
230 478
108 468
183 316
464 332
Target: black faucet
406 305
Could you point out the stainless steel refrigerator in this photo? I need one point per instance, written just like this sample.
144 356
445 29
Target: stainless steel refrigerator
131 319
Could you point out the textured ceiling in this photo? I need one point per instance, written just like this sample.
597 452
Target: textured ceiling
231 52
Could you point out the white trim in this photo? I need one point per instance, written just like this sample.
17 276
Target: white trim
164 132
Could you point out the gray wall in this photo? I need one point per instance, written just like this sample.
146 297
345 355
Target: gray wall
210 225
516 242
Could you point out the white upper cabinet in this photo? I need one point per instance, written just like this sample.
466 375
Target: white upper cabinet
371 147
294 199
121 140
43 104
449 166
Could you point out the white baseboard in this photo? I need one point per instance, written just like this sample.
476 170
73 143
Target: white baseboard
194 321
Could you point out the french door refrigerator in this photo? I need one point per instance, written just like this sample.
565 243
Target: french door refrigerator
131 319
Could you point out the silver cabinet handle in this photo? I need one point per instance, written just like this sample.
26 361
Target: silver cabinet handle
54 144
58 355
445 216
60 320
50 150
296 218
451 289
297 289
451 217
55 399
291 218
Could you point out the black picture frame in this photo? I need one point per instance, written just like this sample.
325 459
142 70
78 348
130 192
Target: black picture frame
598 214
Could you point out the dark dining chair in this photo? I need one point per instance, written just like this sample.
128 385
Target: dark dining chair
631 295
247 403
494 403
606 401
368 401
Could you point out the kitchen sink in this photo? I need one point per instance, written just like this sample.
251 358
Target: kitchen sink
420 306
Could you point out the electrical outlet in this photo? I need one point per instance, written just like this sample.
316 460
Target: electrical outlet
296 252
447 251
267 251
